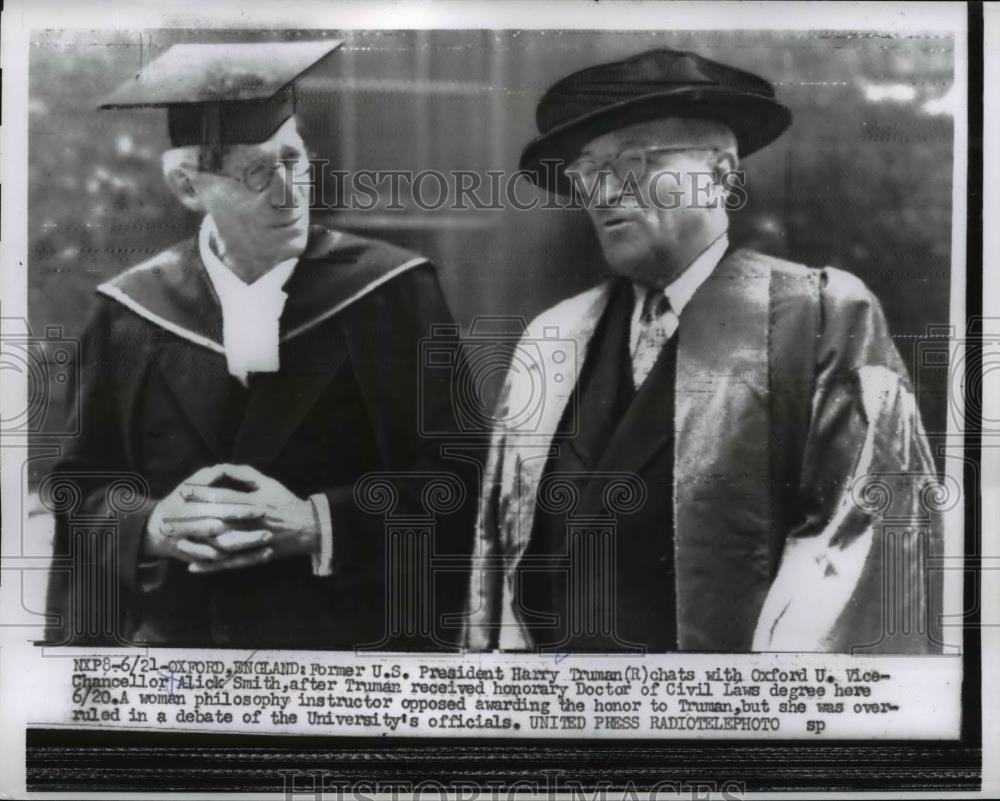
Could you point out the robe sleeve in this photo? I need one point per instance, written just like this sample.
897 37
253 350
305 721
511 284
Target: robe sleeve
95 577
853 575
405 401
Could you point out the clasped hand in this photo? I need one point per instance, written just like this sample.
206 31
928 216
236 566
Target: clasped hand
215 528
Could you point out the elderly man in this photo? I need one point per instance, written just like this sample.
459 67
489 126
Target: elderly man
245 380
696 479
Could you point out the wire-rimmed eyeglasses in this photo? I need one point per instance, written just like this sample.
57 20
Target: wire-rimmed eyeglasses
629 164
258 176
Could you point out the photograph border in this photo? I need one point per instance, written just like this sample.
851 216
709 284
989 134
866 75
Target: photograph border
59 760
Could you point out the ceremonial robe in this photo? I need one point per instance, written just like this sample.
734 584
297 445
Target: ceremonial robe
796 437
156 403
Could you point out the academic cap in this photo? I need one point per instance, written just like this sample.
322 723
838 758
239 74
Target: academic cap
656 84
222 94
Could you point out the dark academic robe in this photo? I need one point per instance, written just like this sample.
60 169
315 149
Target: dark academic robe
786 458
156 403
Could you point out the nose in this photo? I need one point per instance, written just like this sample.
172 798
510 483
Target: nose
284 192
609 188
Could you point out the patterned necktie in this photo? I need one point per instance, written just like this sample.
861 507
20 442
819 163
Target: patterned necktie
657 324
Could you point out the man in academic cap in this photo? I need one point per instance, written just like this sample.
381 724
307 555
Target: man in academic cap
713 471
237 385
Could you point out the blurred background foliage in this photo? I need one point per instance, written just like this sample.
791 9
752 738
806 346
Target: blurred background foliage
862 180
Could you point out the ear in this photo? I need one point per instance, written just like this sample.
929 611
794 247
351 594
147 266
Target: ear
184 188
725 162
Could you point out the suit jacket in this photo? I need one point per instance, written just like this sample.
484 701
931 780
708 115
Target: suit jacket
155 404
597 575
801 474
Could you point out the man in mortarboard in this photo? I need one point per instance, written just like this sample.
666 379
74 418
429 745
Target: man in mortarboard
713 473
245 380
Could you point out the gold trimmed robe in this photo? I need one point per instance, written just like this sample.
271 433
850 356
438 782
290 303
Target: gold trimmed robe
796 434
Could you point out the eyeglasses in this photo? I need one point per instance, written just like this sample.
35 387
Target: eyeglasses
258 176
627 165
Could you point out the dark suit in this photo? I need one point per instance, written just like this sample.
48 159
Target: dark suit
156 404
610 432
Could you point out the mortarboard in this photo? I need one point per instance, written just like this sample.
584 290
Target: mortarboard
220 94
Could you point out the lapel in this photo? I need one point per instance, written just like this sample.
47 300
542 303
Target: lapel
599 387
280 401
173 291
618 437
648 425
197 378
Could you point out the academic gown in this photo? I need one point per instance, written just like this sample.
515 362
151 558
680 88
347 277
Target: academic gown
806 507
156 403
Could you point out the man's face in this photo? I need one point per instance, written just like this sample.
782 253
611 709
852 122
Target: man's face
258 210
648 223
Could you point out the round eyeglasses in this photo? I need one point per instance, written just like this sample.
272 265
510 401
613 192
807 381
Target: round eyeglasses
629 164
258 176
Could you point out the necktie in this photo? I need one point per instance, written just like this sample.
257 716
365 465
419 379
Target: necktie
657 324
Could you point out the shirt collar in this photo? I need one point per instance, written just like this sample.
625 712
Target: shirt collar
680 291
228 283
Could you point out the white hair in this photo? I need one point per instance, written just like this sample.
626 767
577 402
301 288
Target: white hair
179 158
194 157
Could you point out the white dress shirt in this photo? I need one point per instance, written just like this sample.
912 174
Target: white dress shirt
679 292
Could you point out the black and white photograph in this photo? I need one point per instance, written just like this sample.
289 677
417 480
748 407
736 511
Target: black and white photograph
445 394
